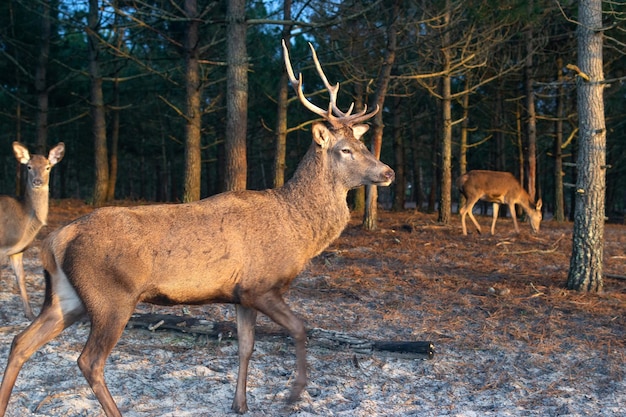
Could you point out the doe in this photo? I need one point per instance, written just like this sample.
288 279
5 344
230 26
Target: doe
239 247
496 187
22 219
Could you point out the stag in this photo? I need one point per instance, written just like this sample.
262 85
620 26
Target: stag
239 247
498 188
22 219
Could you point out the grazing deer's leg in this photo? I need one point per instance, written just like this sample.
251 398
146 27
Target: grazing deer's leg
496 211
514 216
50 322
273 306
17 264
246 319
106 329
467 210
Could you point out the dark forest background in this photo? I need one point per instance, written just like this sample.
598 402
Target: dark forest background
510 66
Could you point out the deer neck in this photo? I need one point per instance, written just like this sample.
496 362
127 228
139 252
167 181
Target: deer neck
36 205
312 191
525 203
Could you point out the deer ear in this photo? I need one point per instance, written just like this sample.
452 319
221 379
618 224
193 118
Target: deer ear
21 153
538 205
56 153
359 130
321 135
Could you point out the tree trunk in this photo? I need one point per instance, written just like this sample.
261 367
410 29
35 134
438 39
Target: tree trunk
237 97
531 122
370 218
445 204
97 108
115 135
115 125
559 210
281 116
41 85
399 152
193 159
585 272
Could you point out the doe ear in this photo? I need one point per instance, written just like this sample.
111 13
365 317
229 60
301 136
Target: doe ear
359 130
21 153
56 153
539 204
321 135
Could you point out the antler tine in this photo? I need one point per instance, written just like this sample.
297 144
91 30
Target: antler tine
346 118
339 118
332 90
296 83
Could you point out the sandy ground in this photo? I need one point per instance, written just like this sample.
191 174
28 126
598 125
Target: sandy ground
509 339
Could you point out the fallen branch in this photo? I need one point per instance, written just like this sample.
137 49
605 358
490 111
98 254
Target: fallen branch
552 249
317 337
615 276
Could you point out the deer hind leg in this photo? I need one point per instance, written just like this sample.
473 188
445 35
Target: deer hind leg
53 319
107 325
467 210
273 306
496 211
17 263
246 320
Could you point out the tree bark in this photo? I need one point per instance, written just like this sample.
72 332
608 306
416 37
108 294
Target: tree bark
559 210
531 121
115 125
41 85
445 202
399 152
237 97
586 263
193 159
97 108
281 116
370 219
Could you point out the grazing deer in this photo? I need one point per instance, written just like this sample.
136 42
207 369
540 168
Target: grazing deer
498 188
239 247
21 220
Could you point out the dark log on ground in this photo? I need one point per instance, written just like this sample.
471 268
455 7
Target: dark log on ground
317 337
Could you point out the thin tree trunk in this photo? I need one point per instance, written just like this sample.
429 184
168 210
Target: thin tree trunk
370 217
193 159
281 116
586 263
115 125
531 122
237 97
559 211
115 135
41 85
445 204
399 152
97 108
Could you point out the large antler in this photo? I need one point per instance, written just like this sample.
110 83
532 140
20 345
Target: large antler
339 117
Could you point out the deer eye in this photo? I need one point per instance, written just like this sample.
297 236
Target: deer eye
346 151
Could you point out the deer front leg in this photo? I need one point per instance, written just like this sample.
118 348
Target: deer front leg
246 320
514 216
17 264
273 306
496 211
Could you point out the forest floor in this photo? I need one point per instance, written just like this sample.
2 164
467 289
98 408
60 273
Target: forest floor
509 339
